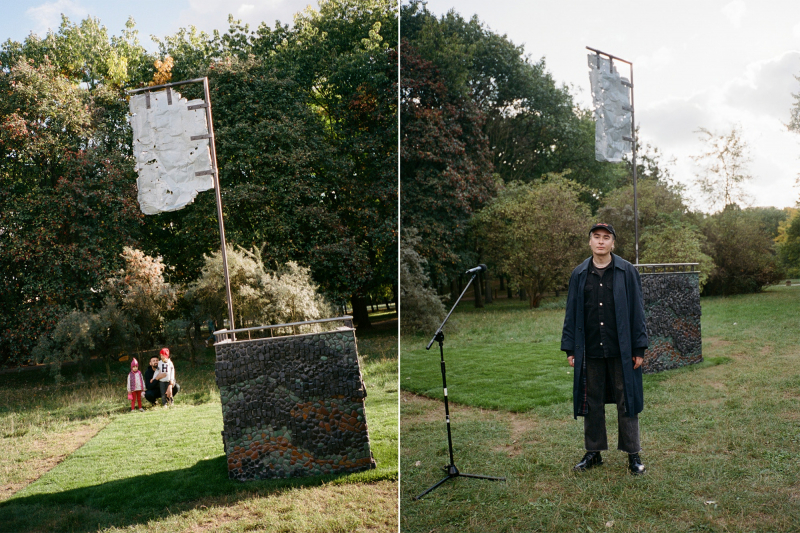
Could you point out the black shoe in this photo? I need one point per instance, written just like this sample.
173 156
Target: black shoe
635 464
589 460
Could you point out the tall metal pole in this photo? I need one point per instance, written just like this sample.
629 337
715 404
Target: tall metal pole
633 160
215 168
632 140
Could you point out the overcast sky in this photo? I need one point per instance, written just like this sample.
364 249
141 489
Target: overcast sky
707 63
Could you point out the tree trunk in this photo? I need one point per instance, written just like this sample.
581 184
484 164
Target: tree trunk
535 300
476 285
488 289
192 351
360 313
522 295
502 282
509 292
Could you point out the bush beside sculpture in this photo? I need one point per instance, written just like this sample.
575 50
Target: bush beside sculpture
672 309
293 406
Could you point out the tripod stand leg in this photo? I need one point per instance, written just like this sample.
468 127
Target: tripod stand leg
490 478
433 487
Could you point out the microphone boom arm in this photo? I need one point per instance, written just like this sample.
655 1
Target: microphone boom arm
438 331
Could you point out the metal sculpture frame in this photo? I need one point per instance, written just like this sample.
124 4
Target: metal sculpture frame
214 171
631 139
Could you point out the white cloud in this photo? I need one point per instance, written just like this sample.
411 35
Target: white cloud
759 100
673 121
796 30
735 12
766 86
213 14
48 15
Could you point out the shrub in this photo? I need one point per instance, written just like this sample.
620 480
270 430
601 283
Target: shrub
676 243
421 308
536 233
743 252
260 296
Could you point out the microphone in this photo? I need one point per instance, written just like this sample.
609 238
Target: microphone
479 268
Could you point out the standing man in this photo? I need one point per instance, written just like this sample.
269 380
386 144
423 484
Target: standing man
605 337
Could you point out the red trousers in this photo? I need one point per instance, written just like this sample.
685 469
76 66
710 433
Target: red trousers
137 395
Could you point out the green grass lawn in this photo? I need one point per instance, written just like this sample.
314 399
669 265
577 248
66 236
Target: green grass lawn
166 469
720 439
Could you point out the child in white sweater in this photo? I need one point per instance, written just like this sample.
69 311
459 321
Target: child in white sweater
165 377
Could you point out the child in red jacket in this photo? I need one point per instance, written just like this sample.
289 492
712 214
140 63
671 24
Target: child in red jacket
135 385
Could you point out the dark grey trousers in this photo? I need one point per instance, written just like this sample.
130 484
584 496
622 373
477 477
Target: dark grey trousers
152 395
164 385
594 423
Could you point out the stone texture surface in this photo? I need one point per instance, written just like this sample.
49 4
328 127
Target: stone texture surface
293 406
672 308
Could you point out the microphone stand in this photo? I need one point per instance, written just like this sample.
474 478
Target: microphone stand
451 469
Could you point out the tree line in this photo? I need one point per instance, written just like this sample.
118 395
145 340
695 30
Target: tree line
498 167
305 120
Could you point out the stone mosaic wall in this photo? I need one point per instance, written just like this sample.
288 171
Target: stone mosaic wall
672 308
293 406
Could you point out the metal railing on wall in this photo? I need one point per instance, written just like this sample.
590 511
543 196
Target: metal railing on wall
279 330
667 268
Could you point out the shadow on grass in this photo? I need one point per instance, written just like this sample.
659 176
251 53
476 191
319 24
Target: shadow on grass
140 499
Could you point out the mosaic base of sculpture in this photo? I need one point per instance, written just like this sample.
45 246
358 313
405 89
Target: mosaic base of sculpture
672 308
293 406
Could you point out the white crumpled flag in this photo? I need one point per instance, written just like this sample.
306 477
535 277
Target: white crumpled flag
612 121
167 160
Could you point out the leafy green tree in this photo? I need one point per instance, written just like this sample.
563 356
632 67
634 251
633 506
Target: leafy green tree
306 125
770 218
423 310
788 241
67 199
59 243
144 294
260 294
132 316
536 233
658 202
307 143
677 243
723 167
532 124
742 250
445 168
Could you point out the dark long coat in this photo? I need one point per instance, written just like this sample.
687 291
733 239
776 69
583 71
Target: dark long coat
631 329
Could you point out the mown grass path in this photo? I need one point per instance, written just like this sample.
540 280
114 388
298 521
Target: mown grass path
165 469
720 439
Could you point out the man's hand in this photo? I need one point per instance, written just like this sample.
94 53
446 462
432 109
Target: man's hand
571 360
637 362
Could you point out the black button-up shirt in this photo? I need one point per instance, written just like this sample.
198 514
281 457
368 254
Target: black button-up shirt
599 314
600 319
